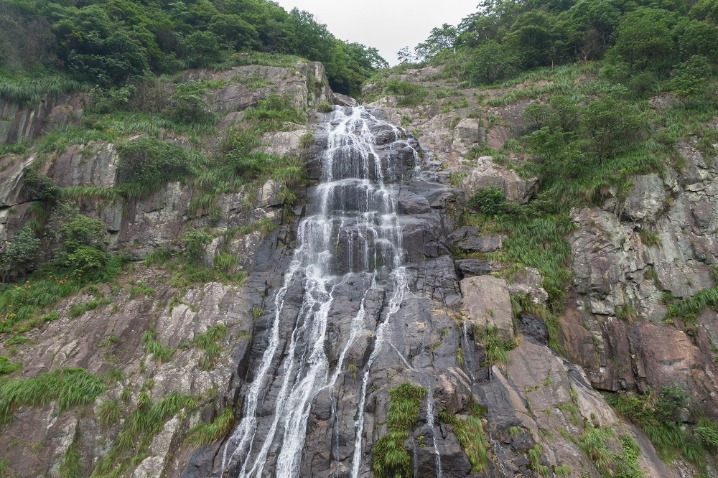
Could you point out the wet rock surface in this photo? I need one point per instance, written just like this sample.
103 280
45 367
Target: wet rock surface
429 330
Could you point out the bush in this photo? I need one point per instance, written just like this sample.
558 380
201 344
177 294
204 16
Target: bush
39 186
83 231
189 104
147 164
490 201
20 253
195 242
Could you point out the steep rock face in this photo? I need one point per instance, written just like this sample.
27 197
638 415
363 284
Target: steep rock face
627 257
111 330
533 406
25 123
631 257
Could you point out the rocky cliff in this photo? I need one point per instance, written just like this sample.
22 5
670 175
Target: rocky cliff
454 367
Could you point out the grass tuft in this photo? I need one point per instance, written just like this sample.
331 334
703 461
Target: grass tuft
69 386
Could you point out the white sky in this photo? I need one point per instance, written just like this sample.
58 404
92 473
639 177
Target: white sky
386 25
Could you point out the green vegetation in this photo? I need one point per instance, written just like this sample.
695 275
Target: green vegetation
209 343
141 288
113 44
70 467
7 367
690 308
26 90
204 433
642 42
408 93
534 454
496 348
390 458
147 164
139 429
153 346
79 308
660 417
599 444
69 386
470 433
109 413
20 254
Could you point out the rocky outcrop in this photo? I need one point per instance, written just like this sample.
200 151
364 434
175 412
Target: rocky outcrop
627 258
24 123
487 302
488 174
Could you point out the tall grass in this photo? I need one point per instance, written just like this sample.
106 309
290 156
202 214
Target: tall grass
497 349
204 433
690 308
154 347
29 89
69 386
472 438
139 429
599 445
389 456
657 415
209 343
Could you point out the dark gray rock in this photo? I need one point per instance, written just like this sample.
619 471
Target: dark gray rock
475 267
480 244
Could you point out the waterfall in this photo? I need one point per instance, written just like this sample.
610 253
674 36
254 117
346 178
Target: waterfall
351 232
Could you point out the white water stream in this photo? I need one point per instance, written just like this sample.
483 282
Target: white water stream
353 233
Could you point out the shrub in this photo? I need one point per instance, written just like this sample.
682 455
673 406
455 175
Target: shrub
408 93
189 104
273 112
195 242
147 164
20 253
39 186
490 201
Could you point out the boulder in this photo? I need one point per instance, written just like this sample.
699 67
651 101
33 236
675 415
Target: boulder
486 173
475 267
486 301
480 243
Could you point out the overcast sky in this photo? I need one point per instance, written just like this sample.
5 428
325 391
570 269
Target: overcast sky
386 25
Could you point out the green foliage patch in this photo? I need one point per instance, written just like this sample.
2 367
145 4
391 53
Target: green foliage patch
147 164
113 44
69 386
472 438
600 445
209 343
660 417
389 456
138 430
204 433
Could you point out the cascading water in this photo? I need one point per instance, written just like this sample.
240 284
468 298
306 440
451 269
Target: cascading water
353 235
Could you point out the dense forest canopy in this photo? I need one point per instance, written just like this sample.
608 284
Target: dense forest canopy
642 41
108 42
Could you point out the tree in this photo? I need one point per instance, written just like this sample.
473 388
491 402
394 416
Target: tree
491 62
537 38
690 79
612 127
644 40
440 39
201 49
